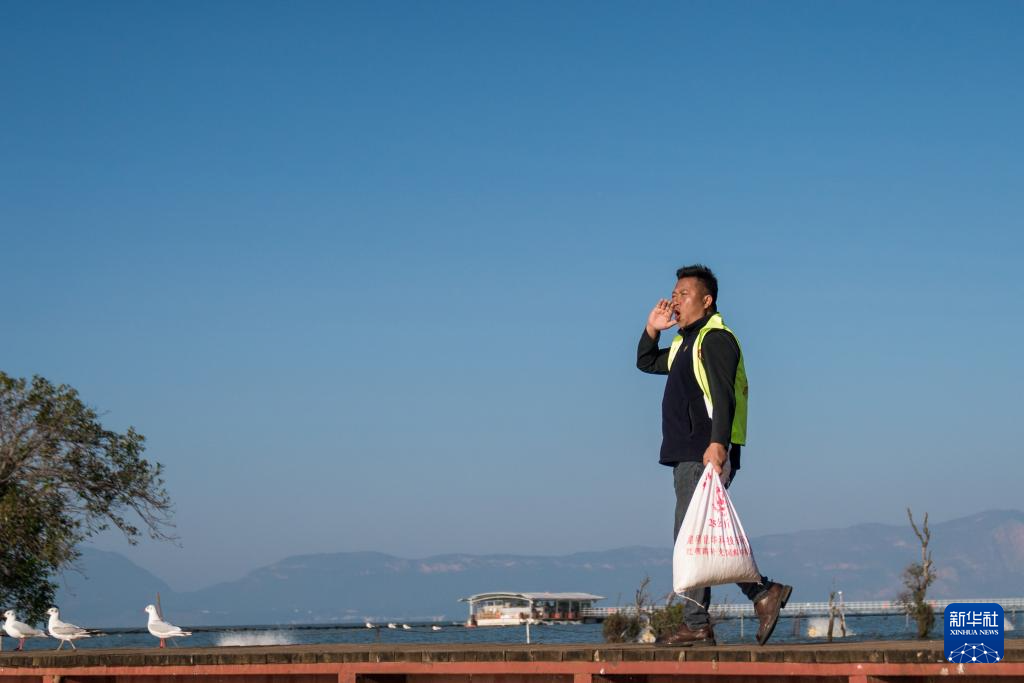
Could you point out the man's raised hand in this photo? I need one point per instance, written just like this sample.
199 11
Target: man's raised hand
660 318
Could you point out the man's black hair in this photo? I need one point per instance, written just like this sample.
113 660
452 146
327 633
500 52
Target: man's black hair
706 277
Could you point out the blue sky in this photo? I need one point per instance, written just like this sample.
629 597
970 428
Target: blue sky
371 275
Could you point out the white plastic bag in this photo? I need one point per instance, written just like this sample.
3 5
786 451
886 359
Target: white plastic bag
711 548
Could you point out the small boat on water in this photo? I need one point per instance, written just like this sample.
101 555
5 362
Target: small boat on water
516 609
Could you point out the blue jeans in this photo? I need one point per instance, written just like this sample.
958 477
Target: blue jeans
695 610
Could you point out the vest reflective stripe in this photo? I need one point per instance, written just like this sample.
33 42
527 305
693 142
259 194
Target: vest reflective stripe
739 420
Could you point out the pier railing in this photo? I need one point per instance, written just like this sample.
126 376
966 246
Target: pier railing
810 609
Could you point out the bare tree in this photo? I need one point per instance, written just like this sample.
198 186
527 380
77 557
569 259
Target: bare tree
917 577
835 610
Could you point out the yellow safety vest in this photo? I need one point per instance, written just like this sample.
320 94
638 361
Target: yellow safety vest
739 420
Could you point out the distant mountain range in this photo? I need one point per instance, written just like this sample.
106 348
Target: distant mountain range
977 556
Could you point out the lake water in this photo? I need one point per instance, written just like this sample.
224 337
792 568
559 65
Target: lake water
788 630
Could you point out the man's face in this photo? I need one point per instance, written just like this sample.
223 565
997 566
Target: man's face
690 302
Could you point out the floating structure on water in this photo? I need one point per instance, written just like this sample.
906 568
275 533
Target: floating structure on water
516 609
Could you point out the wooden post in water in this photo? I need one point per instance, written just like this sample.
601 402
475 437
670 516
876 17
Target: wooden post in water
842 615
831 614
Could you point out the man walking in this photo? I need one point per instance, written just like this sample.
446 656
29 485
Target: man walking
704 420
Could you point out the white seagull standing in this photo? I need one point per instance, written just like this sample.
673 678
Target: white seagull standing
65 632
16 629
161 629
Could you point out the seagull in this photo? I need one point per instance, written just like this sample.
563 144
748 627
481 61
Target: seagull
406 627
647 634
65 632
435 628
392 625
369 624
16 629
161 629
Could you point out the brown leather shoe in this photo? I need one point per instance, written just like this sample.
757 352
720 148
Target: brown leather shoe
685 635
767 610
